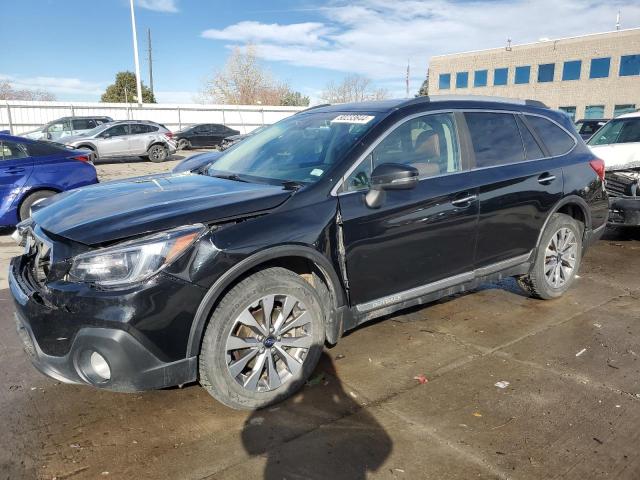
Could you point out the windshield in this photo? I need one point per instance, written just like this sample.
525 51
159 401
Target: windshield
300 148
624 130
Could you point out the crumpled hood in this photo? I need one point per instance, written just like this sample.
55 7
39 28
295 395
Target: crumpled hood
618 156
116 210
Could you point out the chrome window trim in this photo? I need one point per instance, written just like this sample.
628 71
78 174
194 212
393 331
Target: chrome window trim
416 292
356 164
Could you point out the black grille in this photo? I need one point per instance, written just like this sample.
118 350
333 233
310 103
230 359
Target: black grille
620 185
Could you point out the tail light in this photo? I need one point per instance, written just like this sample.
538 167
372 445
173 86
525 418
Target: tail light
81 158
169 135
598 166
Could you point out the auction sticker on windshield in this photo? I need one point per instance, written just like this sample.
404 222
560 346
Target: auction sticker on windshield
359 119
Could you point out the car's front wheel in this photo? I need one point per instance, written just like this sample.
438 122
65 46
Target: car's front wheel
263 340
557 259
184 144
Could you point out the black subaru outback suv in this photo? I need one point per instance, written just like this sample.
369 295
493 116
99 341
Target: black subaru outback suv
238 275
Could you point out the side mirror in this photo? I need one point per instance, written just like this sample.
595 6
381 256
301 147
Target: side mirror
390 176
48 136
106 135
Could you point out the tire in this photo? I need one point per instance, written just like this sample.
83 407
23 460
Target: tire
158 153
250 386
93 156
551 275
27 203
184 144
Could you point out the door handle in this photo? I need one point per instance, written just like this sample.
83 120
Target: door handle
461 201
546 178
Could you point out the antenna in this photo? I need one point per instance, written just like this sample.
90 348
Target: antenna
618 21
150 60
508 47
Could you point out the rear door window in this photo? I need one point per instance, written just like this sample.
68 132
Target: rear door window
557 140
495 138
84 124
630 132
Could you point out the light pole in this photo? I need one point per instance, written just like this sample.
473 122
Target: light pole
135 53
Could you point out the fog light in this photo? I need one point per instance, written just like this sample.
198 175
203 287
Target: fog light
100 366
93 367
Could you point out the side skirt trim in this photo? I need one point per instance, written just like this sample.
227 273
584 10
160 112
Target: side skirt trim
416 292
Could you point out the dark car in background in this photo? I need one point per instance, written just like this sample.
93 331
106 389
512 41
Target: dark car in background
237 276
588 126
32 170
203 135
234 139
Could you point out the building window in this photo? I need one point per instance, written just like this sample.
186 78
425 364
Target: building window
500 76
594 111
629 65
600 67
462 79
445 81
546 72
522 74
571 70
622 109
480 78
571 111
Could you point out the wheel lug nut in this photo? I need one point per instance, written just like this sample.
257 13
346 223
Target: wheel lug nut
271 329
279 338
261 349
273 350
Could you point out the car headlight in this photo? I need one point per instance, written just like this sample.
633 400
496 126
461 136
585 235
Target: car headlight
135 260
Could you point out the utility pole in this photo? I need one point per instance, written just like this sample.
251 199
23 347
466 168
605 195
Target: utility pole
407 78
150 60
135 53
618 21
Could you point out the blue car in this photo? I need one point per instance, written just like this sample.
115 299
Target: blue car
32 170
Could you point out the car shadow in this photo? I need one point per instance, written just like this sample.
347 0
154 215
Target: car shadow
350 447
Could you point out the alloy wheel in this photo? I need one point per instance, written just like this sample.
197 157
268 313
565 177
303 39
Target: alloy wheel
560 257
268 342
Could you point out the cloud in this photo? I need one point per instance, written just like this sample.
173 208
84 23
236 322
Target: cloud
168 6
377 37
56 85
308 33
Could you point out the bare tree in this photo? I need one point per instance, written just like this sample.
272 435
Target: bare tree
352 88
244 81
8 92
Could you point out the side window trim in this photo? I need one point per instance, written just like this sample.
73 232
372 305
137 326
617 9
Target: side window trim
337 189
536 137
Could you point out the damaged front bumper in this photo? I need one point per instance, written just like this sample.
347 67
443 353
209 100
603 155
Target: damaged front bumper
64 327
624 211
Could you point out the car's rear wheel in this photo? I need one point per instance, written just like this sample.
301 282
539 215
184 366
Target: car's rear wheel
557 259
93 156
30 200
263 340
184 144
158 153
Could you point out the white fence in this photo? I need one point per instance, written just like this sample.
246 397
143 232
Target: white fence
22 116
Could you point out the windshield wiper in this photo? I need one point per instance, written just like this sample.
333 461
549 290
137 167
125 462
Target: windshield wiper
230 176
292 185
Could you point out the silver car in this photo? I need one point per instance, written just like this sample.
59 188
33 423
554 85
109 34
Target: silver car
126 138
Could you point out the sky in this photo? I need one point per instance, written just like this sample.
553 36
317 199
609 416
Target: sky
74 48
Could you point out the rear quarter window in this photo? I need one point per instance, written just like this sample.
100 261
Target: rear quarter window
557 140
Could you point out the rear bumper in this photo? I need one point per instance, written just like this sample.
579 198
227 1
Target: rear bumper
133 365
624 211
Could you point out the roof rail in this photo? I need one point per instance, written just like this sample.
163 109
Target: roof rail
476 98
313 108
